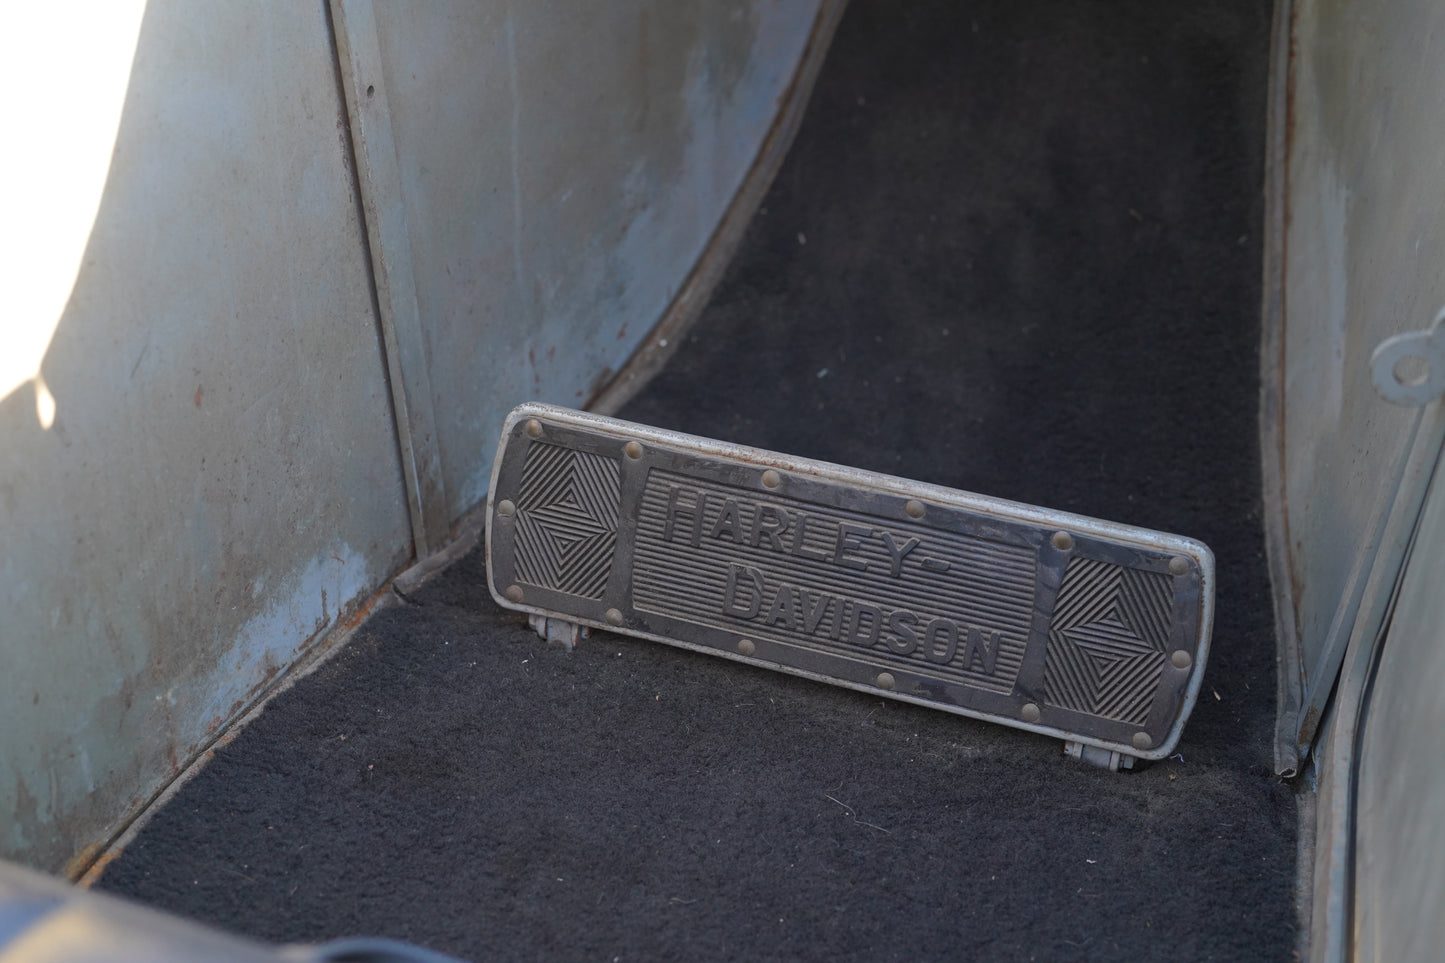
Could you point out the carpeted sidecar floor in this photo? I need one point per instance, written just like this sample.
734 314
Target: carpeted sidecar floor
1016 250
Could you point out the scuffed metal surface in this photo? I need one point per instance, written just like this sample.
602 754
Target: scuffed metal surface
389 244
220 483
1366 238
1364 247
563 166
221 488
1399 891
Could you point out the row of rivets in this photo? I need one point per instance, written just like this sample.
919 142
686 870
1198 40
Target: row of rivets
1064 542
515 594
1030 712
884 680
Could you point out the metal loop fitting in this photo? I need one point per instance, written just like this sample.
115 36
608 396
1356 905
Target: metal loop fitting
1390 366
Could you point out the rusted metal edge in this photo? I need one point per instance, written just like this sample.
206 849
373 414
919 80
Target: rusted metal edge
90 864
357 51
465 535
86 867
388 240
667 334
428 520
1289 675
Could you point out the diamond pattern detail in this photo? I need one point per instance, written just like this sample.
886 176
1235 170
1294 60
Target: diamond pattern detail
1108 640
567 506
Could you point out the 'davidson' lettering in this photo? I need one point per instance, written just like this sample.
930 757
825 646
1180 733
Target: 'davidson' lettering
786 532
941 641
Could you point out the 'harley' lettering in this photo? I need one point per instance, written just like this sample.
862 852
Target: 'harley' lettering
896 552
696 512
850 539
769 522
800 534
727 523
768 526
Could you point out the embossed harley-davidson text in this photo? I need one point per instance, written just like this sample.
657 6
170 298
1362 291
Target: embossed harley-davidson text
759 525
958 601
832 581
698 517
749 596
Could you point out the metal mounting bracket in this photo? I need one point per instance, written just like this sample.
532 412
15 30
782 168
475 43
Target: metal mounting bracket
559 630
1094 756
1394 358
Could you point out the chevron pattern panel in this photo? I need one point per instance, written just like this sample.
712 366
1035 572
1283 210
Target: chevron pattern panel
567 507
1108 641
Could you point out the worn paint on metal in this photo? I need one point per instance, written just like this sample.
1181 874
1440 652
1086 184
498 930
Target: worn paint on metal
563 166
671 330
389 244
1399 891
1365 241
218 486
220 483
1366 238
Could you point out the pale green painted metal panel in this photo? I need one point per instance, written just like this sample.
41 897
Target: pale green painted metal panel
1364 258
220 483
563 166
1399 905
1364 253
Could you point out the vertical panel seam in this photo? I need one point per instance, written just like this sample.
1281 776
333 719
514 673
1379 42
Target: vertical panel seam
383 213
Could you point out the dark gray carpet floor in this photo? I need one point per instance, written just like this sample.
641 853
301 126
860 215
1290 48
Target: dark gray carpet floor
1015 250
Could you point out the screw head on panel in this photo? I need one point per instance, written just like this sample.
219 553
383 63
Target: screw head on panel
1063 541
534 428
514 592
746 647
1179 565
613 617
1029 712
772 479
505 507
633 449
885 680
1142 741
1181 659
914 508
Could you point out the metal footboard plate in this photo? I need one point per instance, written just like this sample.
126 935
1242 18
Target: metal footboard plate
1086 630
